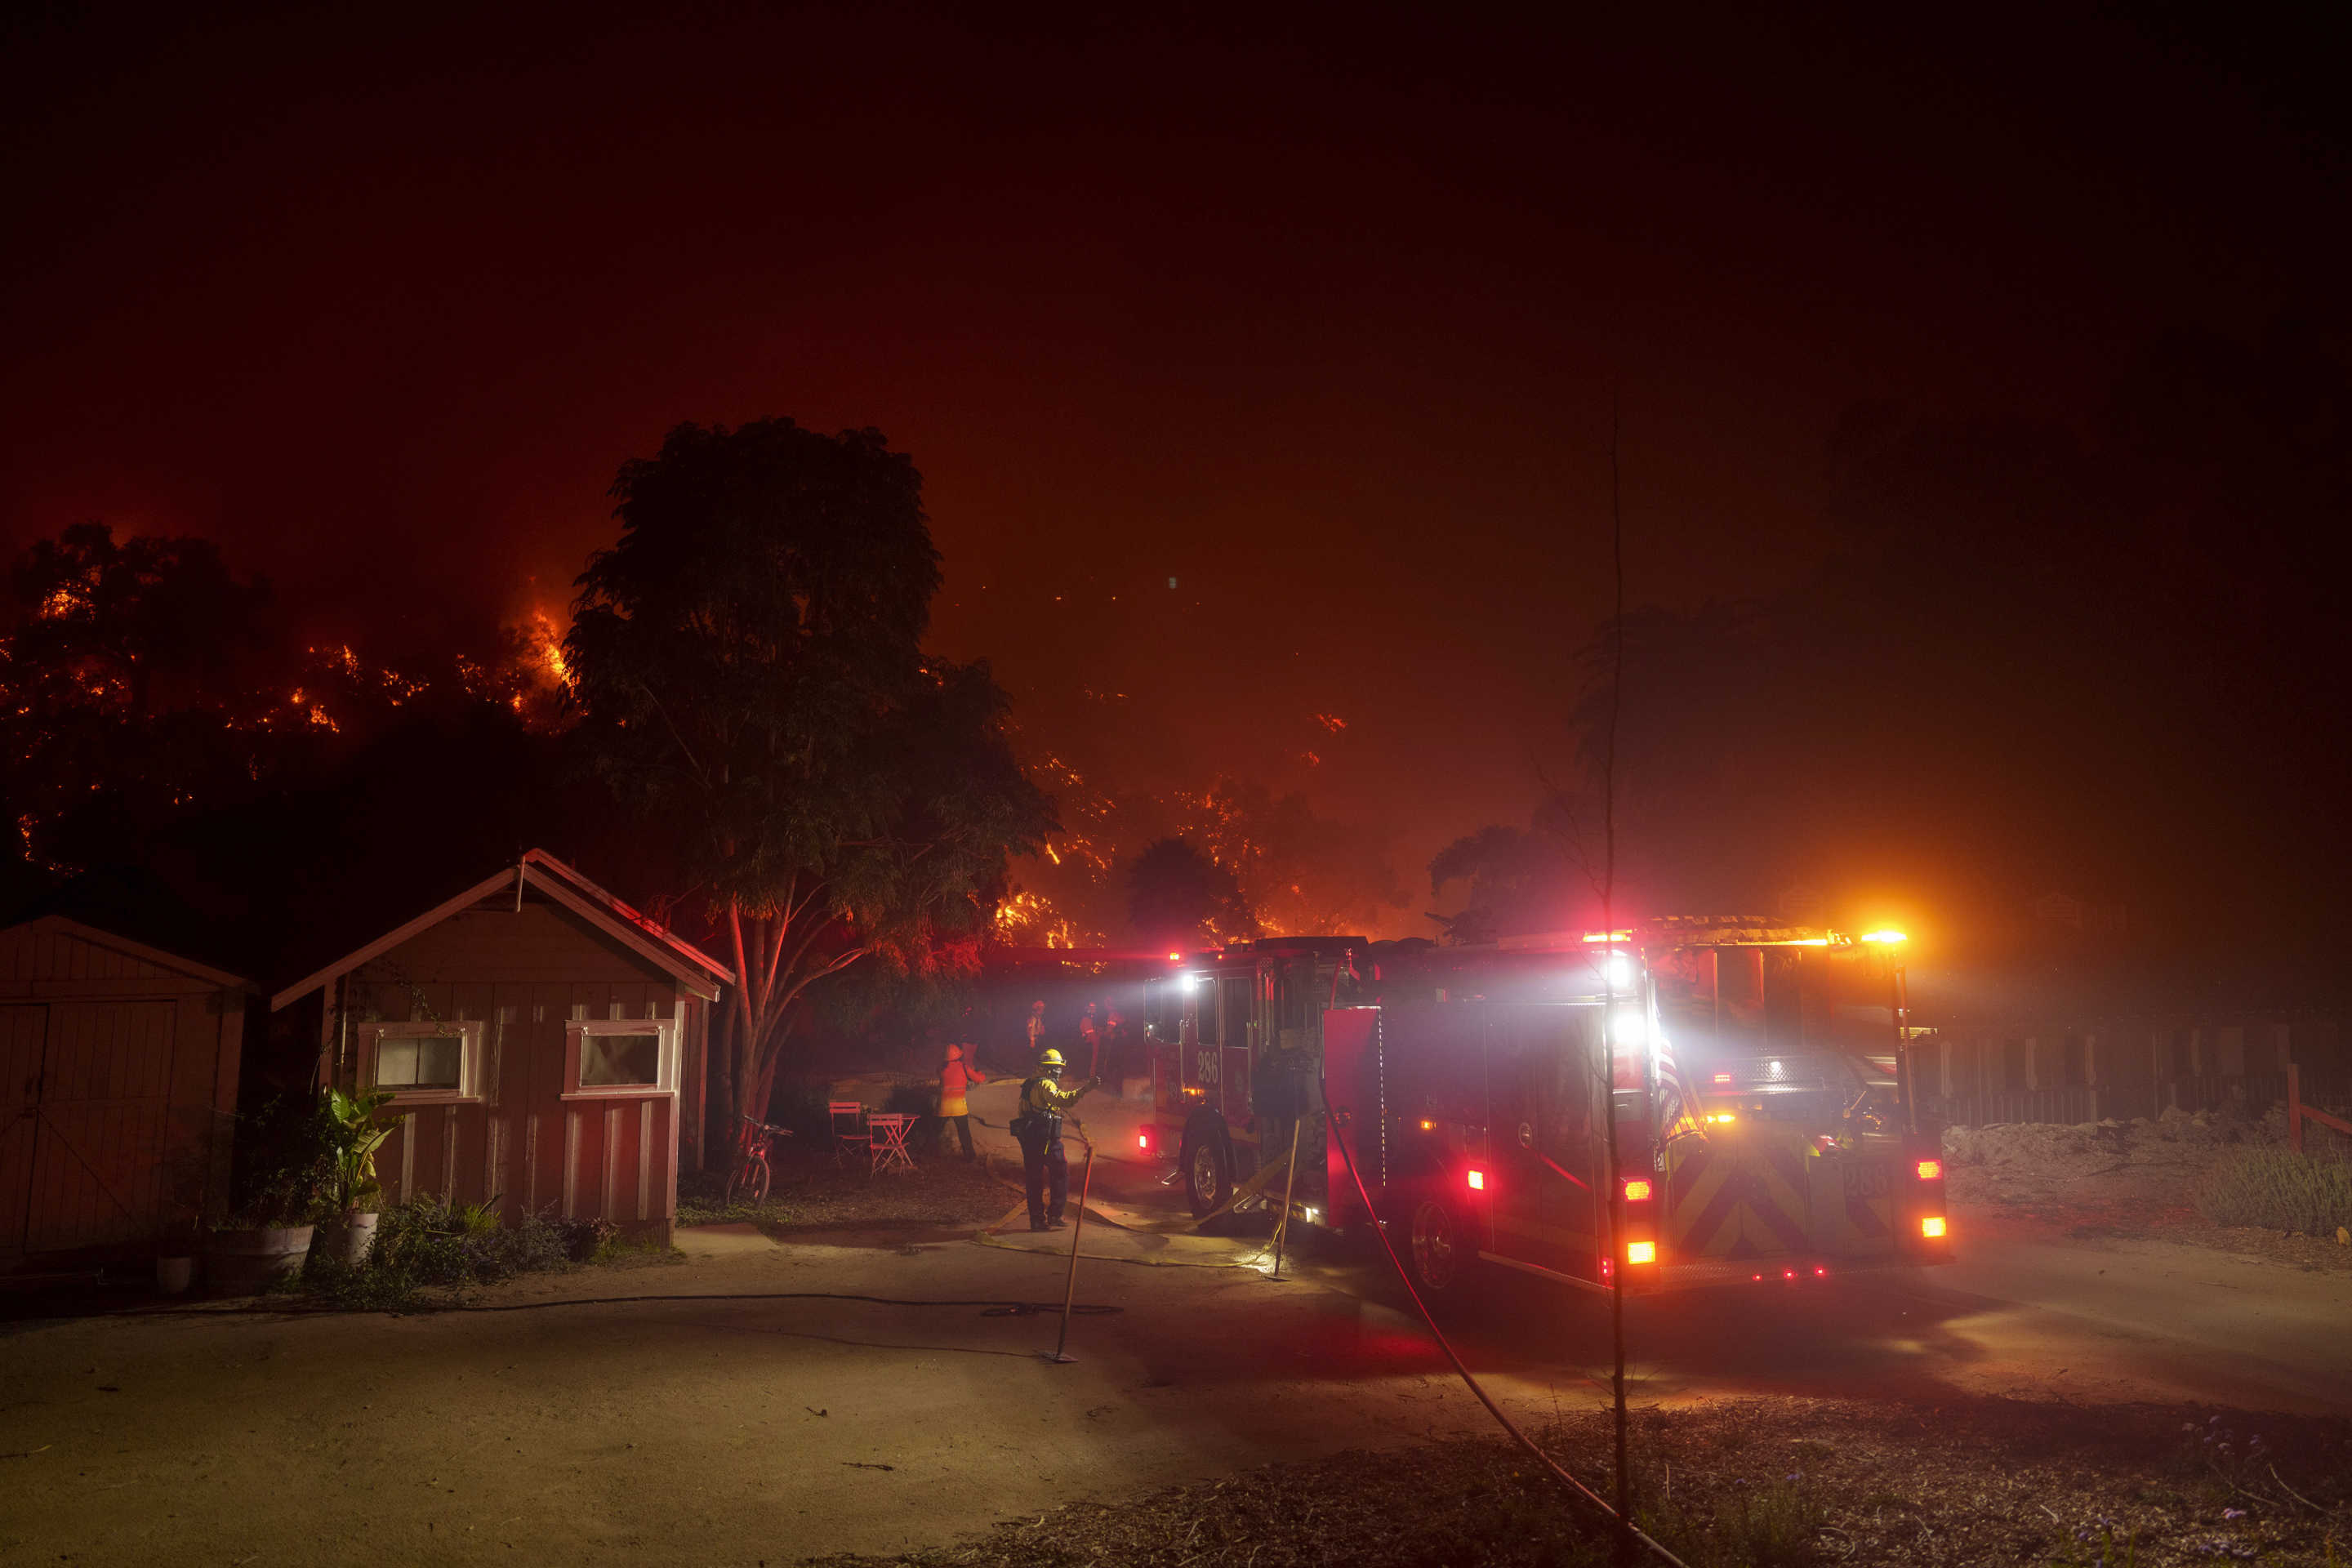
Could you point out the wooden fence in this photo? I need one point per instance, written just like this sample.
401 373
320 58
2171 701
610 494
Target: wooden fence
1976 1075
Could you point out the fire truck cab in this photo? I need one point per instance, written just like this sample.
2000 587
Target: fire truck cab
1236 1039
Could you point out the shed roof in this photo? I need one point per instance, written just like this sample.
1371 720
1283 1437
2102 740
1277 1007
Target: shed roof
543 873
63 926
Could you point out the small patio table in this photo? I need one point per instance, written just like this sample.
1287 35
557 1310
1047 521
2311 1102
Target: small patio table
889 1130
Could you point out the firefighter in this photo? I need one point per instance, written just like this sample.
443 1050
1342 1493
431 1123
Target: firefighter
955 1076
1039 1128
1037 1026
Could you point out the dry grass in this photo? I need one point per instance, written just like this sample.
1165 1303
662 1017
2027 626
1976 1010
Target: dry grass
1758 1484
2278 1189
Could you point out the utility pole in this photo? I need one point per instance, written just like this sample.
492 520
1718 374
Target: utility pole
1625 1551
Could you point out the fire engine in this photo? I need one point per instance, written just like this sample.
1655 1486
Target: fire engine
1756 1075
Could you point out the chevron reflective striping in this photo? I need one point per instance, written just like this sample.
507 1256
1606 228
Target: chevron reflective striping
1736 1200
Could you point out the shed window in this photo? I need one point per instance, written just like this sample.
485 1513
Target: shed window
608 1061
632 1057
420 1061
430 1060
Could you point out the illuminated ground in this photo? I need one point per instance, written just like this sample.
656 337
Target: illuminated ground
763 1429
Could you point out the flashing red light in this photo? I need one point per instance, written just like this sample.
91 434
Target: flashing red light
1175 958
1723 1077
1787 1274
1756 1277
1143 1140
1820 1272
1636 1190
1477 1181
1931 1170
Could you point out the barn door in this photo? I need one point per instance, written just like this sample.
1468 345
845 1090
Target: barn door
97 1151
21 1033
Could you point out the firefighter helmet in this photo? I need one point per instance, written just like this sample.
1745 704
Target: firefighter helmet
1049 1059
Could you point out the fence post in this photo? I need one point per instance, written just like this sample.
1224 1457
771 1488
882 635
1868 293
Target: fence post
2293 1108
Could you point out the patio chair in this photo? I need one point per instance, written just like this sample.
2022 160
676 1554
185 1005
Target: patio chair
854 1136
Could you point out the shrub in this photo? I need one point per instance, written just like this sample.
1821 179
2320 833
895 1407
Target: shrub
799 1104
921 1100
2278 1189
426 1244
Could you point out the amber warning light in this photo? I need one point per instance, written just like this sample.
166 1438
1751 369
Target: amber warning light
1931 1170
1636 1190
1641 1252
1932 1227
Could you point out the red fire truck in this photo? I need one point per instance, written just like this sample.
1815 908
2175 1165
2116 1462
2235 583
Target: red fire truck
1755 1073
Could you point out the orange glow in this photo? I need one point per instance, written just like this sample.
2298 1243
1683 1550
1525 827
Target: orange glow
1931 1170
1429 1127
1175 958
1609 936
1721 1116
1932 1227
1331 722
1636 1190
1641 1252
545 639
1884 936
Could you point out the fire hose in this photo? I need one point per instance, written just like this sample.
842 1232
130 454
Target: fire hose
1550 1465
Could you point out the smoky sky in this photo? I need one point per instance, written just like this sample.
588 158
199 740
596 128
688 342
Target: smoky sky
1258 367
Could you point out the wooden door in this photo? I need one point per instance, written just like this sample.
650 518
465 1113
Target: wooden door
97 1152
22 1030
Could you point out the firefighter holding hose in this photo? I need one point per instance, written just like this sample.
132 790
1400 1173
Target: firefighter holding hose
1039 1129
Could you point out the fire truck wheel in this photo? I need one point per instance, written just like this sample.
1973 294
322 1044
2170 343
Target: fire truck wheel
1208 1173
1437 1249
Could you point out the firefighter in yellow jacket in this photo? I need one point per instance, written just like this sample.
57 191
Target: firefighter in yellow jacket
1039 1129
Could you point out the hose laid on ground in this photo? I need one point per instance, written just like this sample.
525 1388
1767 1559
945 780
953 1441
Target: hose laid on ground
1510 1425
994 1309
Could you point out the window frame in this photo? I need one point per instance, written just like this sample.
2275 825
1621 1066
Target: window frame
469 1033
665 1057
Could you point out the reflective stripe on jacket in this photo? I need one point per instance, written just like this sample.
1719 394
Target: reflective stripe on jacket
1046 1097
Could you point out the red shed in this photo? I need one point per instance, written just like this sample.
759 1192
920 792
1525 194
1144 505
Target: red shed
543 1043
118 1090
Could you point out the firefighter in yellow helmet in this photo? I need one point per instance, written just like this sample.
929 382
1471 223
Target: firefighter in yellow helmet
1039 1129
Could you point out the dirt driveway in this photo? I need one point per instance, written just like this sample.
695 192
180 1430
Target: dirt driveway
701 1413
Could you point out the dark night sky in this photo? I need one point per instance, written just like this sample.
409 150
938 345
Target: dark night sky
1321 318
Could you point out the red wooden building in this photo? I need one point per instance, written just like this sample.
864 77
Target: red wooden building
118 1092
543 1043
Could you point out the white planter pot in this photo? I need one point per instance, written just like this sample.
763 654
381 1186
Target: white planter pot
357 1236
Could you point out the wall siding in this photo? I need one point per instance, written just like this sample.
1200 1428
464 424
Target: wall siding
523 1145
121 1083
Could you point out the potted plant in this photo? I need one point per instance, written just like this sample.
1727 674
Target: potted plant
180 1240
353 1132
287 1165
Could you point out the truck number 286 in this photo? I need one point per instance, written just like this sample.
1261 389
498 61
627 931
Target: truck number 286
1204 1065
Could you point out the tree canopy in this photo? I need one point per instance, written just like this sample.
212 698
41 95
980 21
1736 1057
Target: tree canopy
748 663
1177 896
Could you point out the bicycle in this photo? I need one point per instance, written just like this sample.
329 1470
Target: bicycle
748 1179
